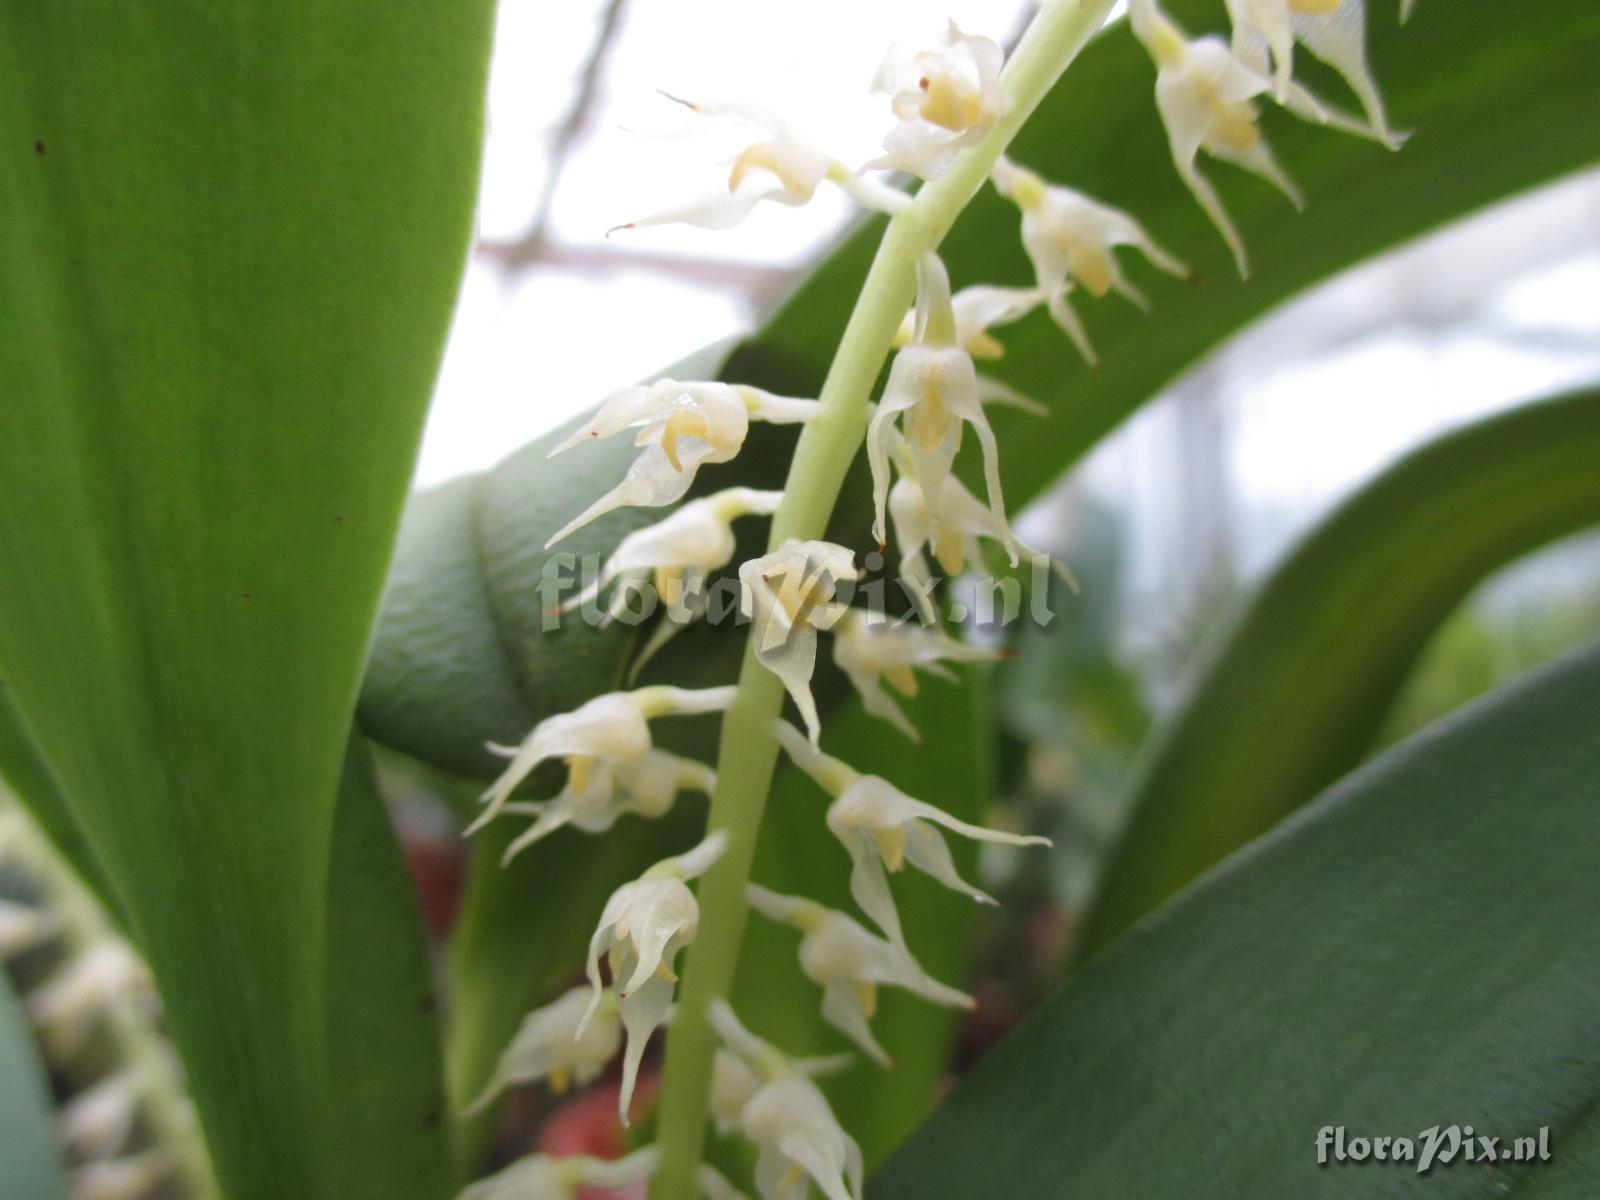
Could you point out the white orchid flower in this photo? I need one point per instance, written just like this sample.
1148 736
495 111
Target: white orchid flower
788 595
954 528
645 786
933 389
977 310
641 930
1204 93
131 1177
733 1082
548 1177
556 1043
1264 34
22 927
678 553
682 426
849 964
945 98
610 729
790 1122
778 165
1406 9
97 1123
872 650
882 829
67 1005
1071 240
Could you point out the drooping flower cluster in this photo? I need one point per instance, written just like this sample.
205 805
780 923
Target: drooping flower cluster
948 99
1206 89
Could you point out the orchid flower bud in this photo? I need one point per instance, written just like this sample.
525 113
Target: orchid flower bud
977 310
788 595
547 1177
682 426
1071 239
849 964
787 1117
645 786
1406 7
935 386
871 652
945 98
1204 94
882 829
1264 34
641 930
610 729
778 165
556 1043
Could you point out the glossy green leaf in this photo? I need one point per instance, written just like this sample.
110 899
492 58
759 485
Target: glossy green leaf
1473 78
384 1037
29 1164
1292 694
1418 948
230 235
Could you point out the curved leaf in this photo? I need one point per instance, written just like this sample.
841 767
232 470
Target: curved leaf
1418 948
28 1159
1291 696
1473 78
230 237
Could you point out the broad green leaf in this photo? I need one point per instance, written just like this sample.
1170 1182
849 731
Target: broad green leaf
384 1037
1499 103
1418 948
230 236
1291 695
29 1164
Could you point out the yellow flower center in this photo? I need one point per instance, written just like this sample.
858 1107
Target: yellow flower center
947 103
1091 266
763 156
903 679
947 548
1313 6
1233 122
578 768
930 419
891 846
867 994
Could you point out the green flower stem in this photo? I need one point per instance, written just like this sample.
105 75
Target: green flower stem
828 444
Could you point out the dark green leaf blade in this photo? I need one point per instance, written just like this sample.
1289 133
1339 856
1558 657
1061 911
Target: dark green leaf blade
231 235
1420 947
1290 696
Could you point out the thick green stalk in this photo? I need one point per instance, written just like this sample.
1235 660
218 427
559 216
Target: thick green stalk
826 448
